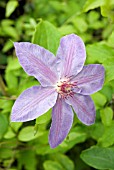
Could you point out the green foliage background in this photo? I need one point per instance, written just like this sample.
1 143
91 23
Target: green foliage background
24 146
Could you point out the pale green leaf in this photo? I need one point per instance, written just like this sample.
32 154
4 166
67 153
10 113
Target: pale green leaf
99 99
109 71
9 134
111 39
44 118
7 46
106 116
16 125
6 105
52 165
80 24
107 9
107 91
10 7
11 31
91 4
11 80
13 64
99 53
62 159
27 134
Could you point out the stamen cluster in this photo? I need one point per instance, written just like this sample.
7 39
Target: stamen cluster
65 88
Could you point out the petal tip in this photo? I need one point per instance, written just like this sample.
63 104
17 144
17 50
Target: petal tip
53 144
89 123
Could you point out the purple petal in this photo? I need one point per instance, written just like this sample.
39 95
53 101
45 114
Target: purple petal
90 79
37 62
84 108
32 103
62 119
71 55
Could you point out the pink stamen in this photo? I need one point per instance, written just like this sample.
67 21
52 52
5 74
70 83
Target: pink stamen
65 88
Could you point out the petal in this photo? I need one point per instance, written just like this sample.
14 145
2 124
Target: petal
90 79
62 119
84 108
37 62
32 103
70 55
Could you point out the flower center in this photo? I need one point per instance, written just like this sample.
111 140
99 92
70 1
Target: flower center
65 88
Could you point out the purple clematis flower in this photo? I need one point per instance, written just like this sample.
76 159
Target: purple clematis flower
65 82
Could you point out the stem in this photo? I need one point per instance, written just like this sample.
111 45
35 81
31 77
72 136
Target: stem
8 98
2 86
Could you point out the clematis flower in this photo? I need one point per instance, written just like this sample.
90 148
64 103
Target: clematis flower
65 84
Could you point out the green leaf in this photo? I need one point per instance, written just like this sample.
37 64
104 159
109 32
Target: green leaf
107 9
8 29
26 83
7 148
94 22
11 31
6 105
16 125
46 35
27 159
3 125
111 39
10 7
80 24
7 46
99 158
52 165
93 16
27 134
107 91
9 134
91 4
94 129
107 138
109 71
76 135
6 152
99 99
11 80
99 53
13 64
106 116
67 29
10 77
62 159
44 118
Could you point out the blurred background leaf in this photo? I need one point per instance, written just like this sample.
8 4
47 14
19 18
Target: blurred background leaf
10 7
24 146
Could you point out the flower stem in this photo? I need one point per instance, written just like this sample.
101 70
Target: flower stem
2 86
